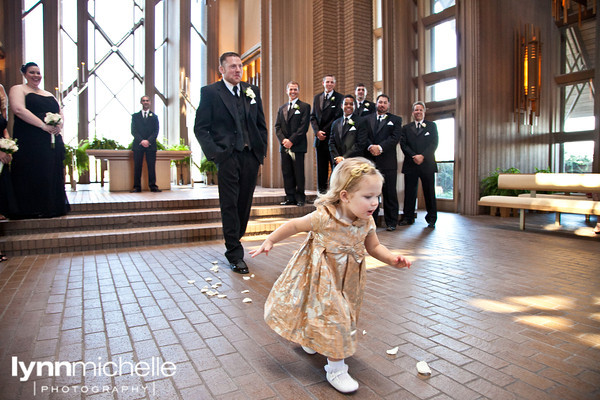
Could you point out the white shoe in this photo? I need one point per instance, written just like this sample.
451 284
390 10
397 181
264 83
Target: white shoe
308 350
341 380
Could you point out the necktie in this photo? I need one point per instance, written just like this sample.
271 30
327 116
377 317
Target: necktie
345 121
235 91
289 109
419 126
145 114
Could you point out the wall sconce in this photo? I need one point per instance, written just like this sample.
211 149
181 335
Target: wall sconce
528 79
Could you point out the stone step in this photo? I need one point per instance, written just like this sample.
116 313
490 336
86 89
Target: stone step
73 241
137 219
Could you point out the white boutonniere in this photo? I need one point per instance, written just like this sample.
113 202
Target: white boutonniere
250 93
350 121
150 114
385 116
366 104
296 106
423 124
332 98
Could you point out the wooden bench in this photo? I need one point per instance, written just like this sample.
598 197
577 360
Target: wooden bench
568 183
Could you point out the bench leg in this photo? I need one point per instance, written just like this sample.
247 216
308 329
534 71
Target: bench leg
557 219
522 219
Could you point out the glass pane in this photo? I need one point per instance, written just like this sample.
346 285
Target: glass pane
34 47
579 108
441 5
116 17
379 59
442 91
198 16
159 70
444 181
443 53
159 32
68 9
578 156
445 150
377 20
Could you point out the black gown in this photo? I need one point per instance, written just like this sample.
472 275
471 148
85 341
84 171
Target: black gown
37 170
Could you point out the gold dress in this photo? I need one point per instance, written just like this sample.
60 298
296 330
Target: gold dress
316 300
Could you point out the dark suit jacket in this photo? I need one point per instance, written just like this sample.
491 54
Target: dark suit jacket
387 136
322 117
349 141
366 108
144 129
424 142
293 125
217 124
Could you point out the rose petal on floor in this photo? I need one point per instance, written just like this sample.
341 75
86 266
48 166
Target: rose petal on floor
392 352
423 368
245 291
247 300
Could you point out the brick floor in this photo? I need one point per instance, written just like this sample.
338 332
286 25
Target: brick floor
497 313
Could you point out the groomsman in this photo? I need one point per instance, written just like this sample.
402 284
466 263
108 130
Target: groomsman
363 106
230 126
290 127
348 136
419 141
327 107
144 128
383 134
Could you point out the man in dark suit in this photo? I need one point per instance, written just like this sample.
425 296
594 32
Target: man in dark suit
419 141
363 106
383 133
348 136
230 126
291 127
327 107
144 128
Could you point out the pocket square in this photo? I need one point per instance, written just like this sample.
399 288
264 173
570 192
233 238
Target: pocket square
297 112
352 129
253 101
390 123
426 134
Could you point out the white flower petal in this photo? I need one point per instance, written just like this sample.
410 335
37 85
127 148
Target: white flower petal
191 281
423 368
222 296
353 333
364 332
392 352
246 278
245 291
247 300
204 289
208 279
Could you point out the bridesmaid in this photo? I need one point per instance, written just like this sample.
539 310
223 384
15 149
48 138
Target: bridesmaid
37 169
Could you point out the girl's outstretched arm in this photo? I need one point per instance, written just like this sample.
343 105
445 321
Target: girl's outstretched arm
380 252
286 230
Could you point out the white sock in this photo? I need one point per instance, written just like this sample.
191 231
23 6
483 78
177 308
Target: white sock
335 365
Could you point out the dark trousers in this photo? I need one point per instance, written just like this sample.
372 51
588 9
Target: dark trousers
237 180
323 163
411 181
390 197
293 176
138 161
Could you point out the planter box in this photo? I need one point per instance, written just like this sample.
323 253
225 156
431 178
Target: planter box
120 168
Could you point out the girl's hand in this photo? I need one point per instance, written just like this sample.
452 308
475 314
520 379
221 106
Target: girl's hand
264 248
400 262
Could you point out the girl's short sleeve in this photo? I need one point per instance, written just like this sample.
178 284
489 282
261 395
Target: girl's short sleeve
371 226
318 219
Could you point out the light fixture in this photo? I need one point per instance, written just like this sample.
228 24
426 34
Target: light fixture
528 75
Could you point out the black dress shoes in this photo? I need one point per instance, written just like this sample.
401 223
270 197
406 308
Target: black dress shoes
155 190
430 225
136 190
405 222
390 228
239 266
288 203
300 204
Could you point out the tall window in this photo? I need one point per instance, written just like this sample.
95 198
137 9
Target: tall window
33 46
377 48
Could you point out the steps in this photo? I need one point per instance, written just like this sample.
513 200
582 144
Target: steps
102 225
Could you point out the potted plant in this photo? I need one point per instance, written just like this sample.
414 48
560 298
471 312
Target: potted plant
209 169
183 165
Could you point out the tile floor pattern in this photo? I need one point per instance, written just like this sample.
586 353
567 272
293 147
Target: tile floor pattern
496 312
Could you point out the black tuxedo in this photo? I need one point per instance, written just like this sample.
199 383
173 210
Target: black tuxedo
425 142
365 108
385 134
293 125
348 140
324 112
232 133
144 129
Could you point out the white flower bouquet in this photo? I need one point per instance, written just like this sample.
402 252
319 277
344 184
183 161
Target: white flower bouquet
52 119
7 146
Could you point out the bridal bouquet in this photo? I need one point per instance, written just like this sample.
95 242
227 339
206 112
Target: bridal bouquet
52 119
8 146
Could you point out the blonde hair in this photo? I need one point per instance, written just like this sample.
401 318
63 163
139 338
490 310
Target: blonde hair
347 175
